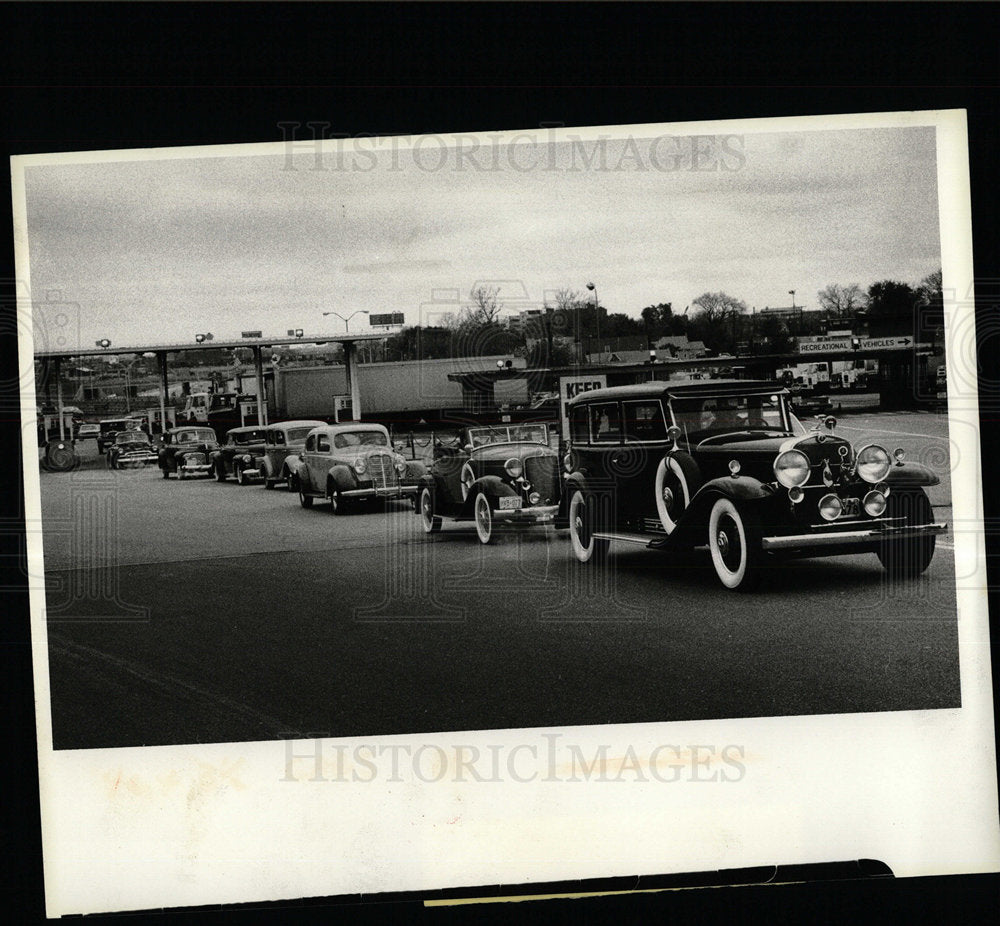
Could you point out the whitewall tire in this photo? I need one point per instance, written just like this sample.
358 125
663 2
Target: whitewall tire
734 542
483 514
586 546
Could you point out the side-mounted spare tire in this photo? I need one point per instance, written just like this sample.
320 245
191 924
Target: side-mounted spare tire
678 478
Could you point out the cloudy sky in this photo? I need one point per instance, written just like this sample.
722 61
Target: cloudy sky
157 250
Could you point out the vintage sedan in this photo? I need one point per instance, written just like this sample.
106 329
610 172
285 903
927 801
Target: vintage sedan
496 475
241 455
351 463
727 465
131 448
282 440
186 451
110 427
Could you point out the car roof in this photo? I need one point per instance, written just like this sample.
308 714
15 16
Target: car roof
246 429
351 426
299 423
695 388
190 427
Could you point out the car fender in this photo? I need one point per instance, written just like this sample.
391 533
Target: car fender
911 474
292 463
744 489
492 486
415 469
342 476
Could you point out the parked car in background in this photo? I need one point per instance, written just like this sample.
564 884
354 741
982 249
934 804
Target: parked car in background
492 475
281 440
186 451
241 455
110 427
727 465
131 448
351 463
88 431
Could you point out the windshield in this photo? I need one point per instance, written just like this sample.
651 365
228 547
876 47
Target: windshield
730 413
247 437
518 434
359 439
196 437
127 437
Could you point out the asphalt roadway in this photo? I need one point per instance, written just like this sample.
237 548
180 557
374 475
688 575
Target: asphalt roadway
198 612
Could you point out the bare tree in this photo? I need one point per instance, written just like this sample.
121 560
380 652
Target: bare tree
716 319
485 307
841 300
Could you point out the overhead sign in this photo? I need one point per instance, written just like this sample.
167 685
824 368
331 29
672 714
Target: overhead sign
250 334
387 319
572 386
819 346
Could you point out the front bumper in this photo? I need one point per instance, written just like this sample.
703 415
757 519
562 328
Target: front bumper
136 459
380 492
853 538
540 514
196 468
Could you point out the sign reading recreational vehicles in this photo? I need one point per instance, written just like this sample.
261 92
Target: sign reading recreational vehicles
821 345
570 386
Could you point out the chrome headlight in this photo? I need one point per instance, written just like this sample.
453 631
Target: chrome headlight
830 507
514 467
360 465
873 463
568 461
874 503
791 468
400 464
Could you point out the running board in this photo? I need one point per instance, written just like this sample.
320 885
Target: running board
644 539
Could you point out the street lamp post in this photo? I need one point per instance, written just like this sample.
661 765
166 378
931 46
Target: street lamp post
597 314
791 293
347 320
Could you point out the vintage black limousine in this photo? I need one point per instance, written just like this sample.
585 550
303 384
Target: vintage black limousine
727 465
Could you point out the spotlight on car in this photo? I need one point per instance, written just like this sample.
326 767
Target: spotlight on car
898 455
734 468
830 507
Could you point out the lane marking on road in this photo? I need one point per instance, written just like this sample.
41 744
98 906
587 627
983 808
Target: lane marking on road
878 430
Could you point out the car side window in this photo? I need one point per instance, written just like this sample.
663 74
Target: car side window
323 443
605 423
310 443
278 437
644 421
578 425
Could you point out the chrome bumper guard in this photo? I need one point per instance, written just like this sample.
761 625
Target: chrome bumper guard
196 467
850 538
536 515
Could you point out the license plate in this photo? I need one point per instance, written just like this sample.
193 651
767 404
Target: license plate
510 501
850 506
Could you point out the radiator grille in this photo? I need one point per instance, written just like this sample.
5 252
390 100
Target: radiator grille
381 470
543 474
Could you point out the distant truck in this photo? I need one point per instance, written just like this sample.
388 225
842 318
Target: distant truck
807 376
221 411
403 393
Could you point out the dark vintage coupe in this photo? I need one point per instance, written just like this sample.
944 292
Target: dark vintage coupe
727 466
282 440
131 448
505 474
241 455
186 451
350 463
110 427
